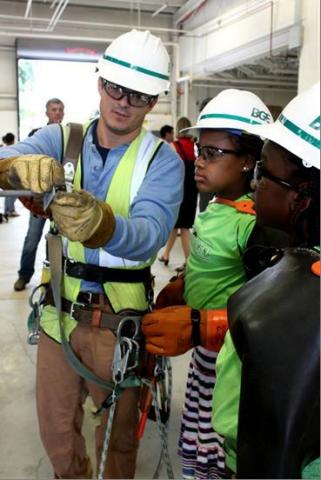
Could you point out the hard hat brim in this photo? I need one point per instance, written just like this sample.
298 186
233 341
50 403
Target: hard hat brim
132 80
277 133
196 129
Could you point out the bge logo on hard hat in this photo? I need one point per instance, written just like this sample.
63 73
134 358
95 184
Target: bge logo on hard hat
261 114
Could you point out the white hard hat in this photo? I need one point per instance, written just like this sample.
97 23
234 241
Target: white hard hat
138 61
232 109
297 128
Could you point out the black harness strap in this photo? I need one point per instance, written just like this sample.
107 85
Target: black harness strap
94 273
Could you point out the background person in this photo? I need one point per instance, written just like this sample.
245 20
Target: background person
55 113
184 146
167 133
9 209
133 189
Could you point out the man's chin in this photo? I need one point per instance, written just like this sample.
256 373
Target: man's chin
118 130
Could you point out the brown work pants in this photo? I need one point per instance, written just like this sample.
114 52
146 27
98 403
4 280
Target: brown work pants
61 393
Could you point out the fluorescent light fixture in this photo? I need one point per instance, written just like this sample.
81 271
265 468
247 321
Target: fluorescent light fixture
160 9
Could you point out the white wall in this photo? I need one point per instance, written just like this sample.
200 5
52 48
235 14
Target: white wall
239 35
8 91
309 71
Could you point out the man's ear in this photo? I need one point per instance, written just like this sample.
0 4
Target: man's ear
100 85
153 103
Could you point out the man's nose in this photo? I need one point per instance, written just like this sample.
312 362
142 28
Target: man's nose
124 101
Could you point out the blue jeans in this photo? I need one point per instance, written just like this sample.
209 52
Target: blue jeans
29 250
9 204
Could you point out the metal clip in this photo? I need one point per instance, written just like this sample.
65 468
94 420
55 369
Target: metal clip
121 357
34 325
36 305
121 332
126 348
69 175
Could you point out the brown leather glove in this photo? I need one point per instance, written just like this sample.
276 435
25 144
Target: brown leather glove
170 331
38 173
172 293
82 218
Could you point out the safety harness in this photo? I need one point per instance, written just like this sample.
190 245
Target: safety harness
90 309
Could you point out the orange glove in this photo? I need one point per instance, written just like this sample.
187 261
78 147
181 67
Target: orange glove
172 293
172 331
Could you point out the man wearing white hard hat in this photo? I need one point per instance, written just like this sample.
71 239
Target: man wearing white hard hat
125 195
271 419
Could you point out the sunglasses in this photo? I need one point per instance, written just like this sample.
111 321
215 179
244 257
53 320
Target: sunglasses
135 99
260 172
210 153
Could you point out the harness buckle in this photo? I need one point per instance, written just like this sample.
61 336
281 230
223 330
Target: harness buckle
66 260
72 308
89 295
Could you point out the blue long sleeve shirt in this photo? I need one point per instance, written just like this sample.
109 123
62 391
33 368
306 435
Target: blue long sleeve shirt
154 210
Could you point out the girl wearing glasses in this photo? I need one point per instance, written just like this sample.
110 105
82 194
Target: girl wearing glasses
225 160
267 398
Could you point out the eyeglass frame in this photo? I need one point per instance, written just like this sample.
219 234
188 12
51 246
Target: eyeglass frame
126 92
257 177
219 152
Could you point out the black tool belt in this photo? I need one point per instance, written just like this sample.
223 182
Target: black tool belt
95 273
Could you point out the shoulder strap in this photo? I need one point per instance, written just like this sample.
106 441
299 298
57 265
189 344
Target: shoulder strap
72 152
74 144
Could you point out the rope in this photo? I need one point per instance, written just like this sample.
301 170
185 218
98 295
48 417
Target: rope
163 435
103 457
164 428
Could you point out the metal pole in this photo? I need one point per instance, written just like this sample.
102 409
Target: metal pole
16 193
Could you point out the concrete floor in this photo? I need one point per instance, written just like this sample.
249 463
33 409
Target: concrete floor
21 453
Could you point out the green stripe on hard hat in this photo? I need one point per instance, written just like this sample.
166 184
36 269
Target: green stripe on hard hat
135 67
230 117
299 132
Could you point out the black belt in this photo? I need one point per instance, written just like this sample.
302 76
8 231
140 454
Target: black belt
95 273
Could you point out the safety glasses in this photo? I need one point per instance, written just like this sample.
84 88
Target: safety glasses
260 173
135 99
210 153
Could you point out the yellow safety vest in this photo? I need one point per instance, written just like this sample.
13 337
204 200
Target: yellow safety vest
125 183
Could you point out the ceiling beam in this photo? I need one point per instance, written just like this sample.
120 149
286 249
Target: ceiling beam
28 8
188 7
